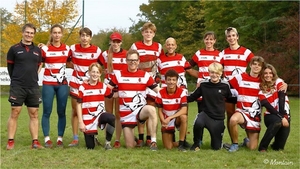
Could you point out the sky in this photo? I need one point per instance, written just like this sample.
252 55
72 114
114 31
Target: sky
99 14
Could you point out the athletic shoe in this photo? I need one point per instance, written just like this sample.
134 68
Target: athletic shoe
97 142
36 145
262 151
48 144
226 146
10 145
117 144
74 143
140 143
181 148
186 144
195 147
148 143
244 144
233 148
107 146
153 146
59 144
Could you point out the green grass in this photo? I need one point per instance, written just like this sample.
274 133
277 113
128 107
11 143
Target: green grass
78 157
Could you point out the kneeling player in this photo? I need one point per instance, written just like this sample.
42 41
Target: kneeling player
172 110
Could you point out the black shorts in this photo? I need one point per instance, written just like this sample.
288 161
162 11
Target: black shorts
232 100
31 97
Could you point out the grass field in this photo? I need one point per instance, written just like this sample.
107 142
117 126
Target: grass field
78 157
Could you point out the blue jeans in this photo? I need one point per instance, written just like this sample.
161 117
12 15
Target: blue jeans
48 92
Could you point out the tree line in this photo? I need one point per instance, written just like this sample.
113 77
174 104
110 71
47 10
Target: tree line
268 28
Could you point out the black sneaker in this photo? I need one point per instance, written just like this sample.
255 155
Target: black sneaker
195 147
181 148
186 145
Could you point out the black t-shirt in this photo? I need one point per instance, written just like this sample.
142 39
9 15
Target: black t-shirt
23 62
213 98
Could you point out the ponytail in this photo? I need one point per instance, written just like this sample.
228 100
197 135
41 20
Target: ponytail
110 53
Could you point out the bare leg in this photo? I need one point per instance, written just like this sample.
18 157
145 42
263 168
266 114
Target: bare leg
34 122
12 121
129 137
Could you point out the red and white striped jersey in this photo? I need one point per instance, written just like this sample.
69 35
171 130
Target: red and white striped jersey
235 61
55 59
132 92
204 58
247 100
118 60
272 97
148 55
171 104
178 63
82 58
92 99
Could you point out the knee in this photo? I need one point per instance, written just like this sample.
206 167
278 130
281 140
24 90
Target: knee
15 113
233 120
183 118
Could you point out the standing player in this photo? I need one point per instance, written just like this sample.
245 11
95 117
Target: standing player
132 89
91 109
23 61
173 60
235 60
214 91
277 117
55 56
172 110
114 59
148 51
203 58
83 55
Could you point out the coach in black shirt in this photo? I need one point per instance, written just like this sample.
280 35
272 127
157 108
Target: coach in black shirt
23 61
214 91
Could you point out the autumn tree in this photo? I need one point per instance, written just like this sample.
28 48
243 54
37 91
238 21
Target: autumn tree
43 14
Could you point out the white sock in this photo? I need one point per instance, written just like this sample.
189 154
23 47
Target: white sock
47 138
107 142
59 139
153 139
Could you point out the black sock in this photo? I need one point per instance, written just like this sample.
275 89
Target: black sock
181 143
10 139
141 136
148 137
34 140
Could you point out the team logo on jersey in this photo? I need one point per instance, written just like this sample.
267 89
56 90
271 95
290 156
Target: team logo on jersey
176 100
86 74
178 62
254 111
63 52
215 57
238 56
100 109
139 79
60 76
121 60
137 101
236 71
35 53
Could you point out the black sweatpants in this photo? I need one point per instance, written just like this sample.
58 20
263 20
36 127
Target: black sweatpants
274 130
215 127
105 118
